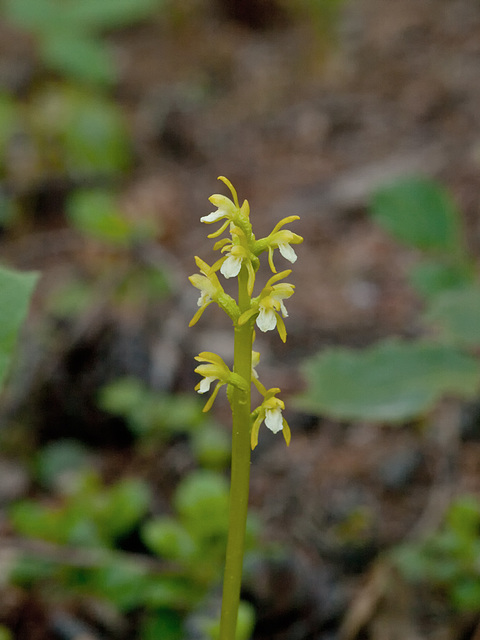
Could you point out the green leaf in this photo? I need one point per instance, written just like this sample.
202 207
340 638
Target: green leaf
95 136
29 569
58 458
420 213
168 538
121 507
15 291
78 56
5 633
456 316
165 624
95 213
432 277
82 132
211 446
122 396
392 381
34 520
201 501
121 581
109 14
37 16
174 592
463 517
465 594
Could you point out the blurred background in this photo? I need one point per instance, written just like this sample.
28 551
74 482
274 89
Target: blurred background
116 117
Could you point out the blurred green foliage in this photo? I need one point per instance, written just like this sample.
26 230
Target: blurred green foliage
15 292
86 514
395 380
5 633
61 130
69 33
392 381
448 560
95 213
157 417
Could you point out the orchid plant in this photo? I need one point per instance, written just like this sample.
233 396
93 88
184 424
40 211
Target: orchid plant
240 259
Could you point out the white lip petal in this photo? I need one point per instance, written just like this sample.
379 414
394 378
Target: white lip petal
287 252
266 320
203 299
214 216
231 267
274 420
205 384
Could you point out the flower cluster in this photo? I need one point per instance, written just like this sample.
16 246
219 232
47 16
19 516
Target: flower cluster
240 251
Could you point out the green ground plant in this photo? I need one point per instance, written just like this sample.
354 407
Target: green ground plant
399 380
396 379
448 559
15 293
71 131
155 418
91 519
69 34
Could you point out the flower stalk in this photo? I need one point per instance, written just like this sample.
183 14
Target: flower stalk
240 471
267 311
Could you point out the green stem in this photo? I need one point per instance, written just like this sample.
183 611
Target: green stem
240 475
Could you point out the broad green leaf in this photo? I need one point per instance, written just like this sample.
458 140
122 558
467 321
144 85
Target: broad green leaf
119 509
211 446
95 138
43 15
175 592
78 56
70 299
29 569
168 538
58 458
456 316
463 516
15 292
431 277
34 520
392 381
465 594
83 132
122 396
201 501
164 623
38 16
109 14
120 581
95 212
420 213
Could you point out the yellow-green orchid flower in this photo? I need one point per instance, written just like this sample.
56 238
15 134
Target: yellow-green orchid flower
270 412
214 368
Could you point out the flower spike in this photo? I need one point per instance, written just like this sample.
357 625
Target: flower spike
240 252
